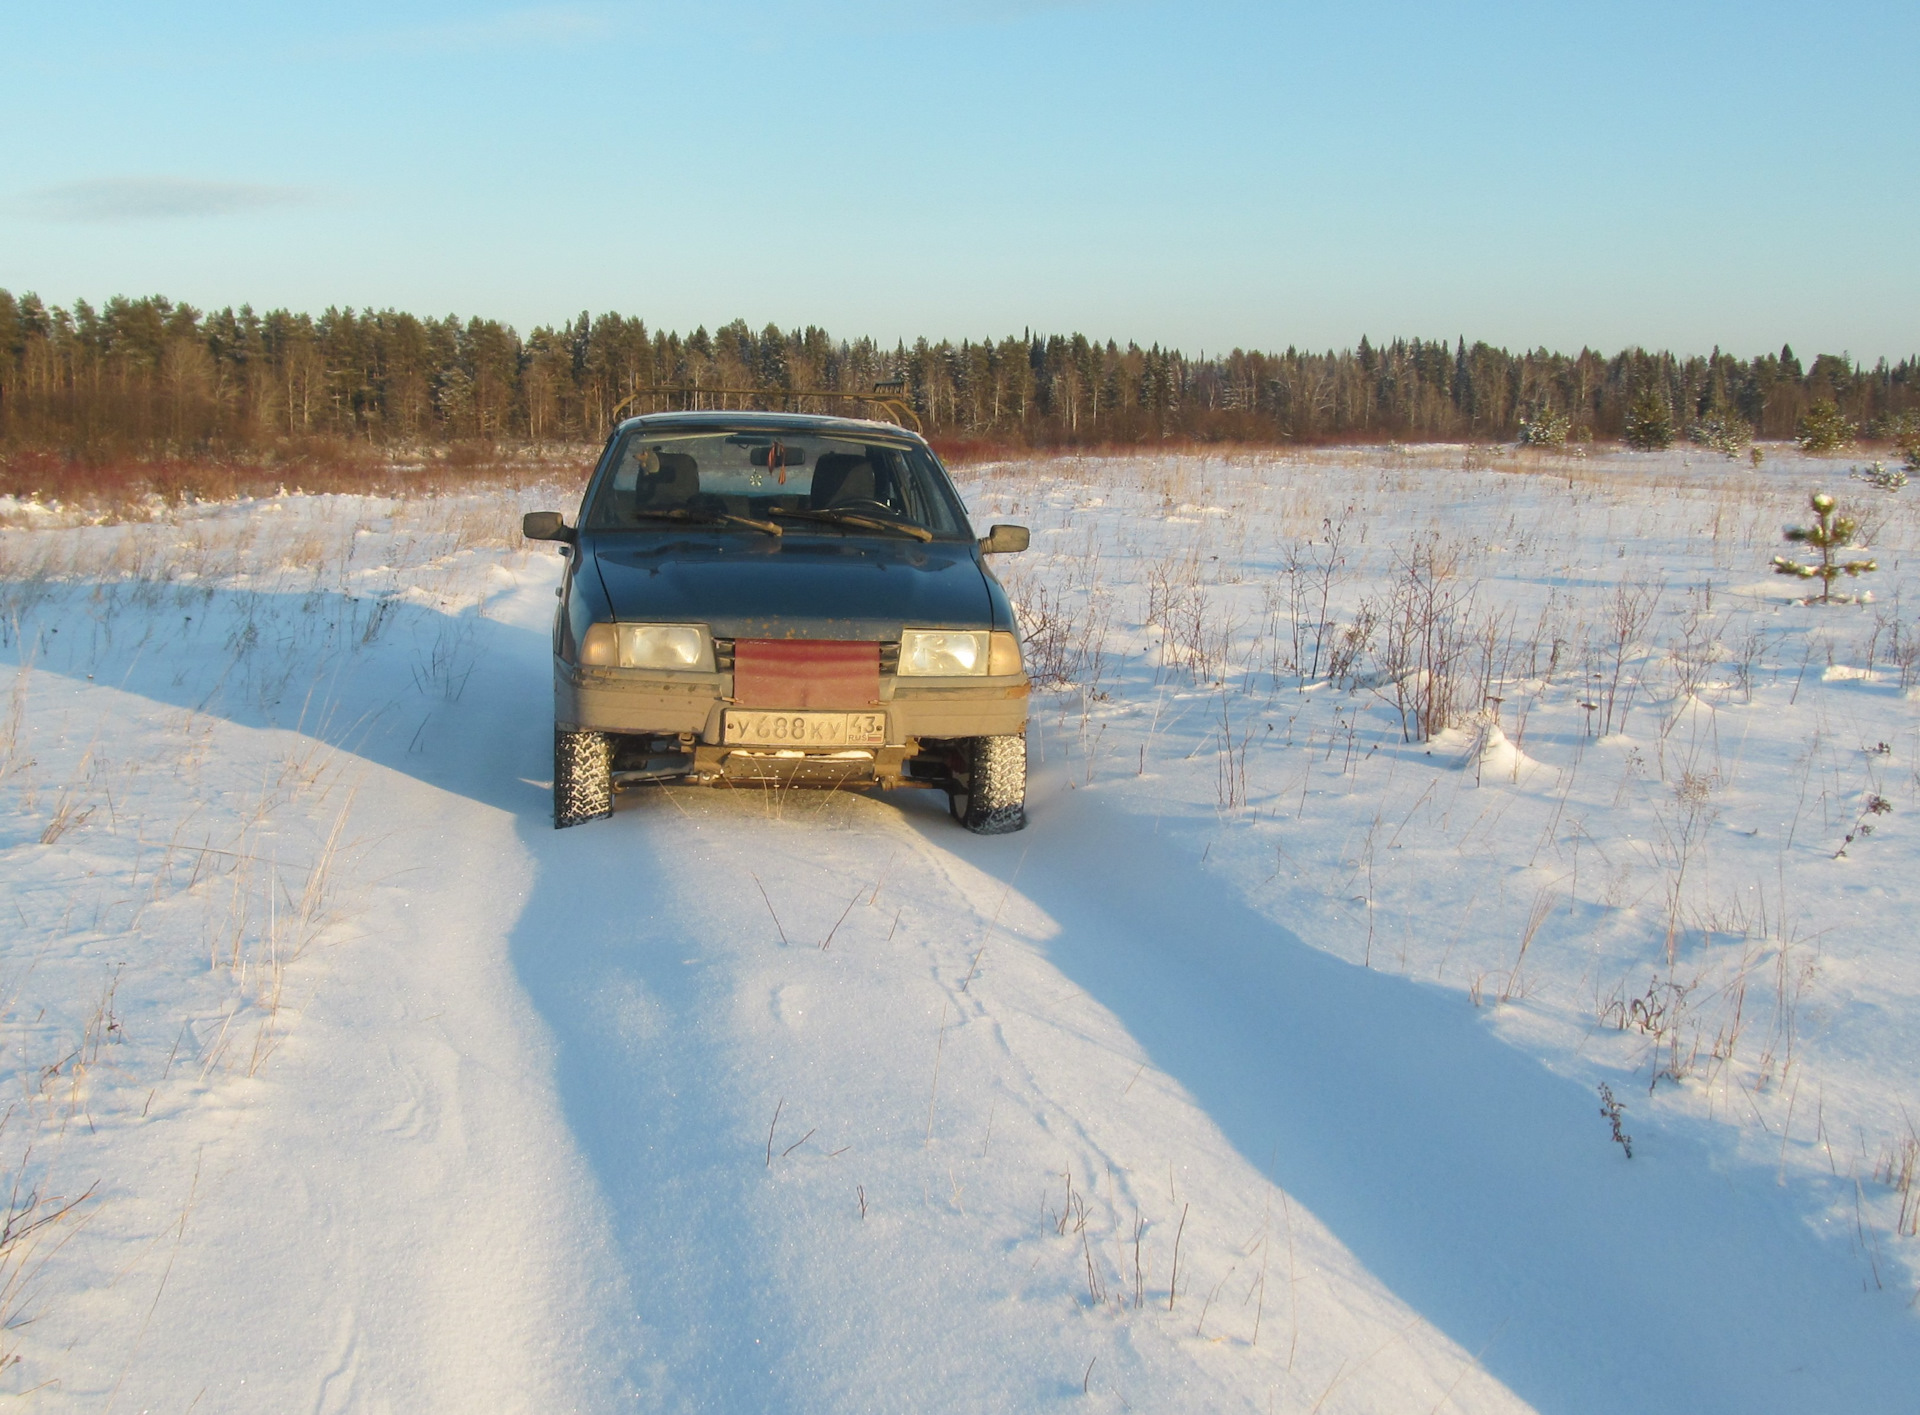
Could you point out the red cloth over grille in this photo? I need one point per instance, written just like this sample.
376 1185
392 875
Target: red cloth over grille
805 673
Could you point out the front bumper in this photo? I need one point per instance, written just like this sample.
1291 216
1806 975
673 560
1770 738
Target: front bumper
690 705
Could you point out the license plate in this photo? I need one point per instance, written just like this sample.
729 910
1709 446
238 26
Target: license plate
805 729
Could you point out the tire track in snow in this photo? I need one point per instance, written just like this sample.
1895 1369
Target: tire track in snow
648 947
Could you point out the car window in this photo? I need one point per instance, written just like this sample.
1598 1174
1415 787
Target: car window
653 480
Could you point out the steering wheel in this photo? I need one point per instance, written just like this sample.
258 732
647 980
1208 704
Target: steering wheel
863 503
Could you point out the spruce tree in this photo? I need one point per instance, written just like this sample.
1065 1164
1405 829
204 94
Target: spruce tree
1825 428
1724 432
1649 421
1904 432
1545 428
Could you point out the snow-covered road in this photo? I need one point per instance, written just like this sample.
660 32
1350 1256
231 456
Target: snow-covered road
800 1101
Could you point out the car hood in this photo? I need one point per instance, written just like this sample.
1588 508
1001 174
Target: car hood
795 586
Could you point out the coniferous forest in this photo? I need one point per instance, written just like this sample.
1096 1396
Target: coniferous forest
153 378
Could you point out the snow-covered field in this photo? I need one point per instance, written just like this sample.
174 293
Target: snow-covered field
1261 1072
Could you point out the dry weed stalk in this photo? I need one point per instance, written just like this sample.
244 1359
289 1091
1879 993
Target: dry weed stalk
1628 616
1898 1169
1611 1109
1173 1278
1230 761
1312 570
1544 901
16 718
1425 628
35 1227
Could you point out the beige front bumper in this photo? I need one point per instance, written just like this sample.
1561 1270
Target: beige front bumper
620 701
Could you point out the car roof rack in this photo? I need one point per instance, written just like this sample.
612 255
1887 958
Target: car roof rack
889 397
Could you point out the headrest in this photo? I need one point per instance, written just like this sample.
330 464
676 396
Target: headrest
841 476
677 480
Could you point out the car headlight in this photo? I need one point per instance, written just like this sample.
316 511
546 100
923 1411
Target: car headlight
944 653
682 647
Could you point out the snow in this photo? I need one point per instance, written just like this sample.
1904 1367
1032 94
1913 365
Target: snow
382 1094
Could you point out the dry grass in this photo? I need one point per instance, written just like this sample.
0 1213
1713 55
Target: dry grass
146 489
36 1225
1899 1168
1246 605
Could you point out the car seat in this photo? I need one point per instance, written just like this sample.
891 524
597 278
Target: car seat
675 484
840 477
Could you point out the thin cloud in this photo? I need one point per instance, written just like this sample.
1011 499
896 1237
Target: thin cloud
117 199
542 24
1018 9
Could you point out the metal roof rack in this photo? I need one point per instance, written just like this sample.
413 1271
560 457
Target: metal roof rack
889 397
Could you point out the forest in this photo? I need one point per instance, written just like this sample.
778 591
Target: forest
150 377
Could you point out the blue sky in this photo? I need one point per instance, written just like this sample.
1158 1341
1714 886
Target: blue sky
1676 175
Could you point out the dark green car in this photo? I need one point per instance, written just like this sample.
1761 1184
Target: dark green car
778 600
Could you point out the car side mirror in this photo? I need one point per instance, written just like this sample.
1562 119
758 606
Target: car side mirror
545 525
1003 540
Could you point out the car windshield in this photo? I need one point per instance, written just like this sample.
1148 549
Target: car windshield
799 482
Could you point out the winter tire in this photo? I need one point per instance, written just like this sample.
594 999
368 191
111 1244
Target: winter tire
993 798
582 777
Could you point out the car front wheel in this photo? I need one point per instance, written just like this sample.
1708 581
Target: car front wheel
992 799
582 777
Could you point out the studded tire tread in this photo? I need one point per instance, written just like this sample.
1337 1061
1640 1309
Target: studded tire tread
993 799
582 777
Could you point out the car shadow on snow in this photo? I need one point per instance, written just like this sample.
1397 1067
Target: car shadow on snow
1484 1190
463 703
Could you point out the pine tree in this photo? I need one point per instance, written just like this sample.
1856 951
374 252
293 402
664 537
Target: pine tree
1649 425
1830 533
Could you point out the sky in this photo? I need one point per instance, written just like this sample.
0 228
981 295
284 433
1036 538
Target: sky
1204 176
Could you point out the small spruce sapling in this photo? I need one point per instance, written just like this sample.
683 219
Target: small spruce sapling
1830 534
1880 476
1726 433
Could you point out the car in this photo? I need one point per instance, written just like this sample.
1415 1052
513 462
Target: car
778 600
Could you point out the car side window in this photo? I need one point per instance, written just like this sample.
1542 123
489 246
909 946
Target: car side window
925 498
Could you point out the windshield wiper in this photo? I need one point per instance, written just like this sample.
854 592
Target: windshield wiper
707 518
855 518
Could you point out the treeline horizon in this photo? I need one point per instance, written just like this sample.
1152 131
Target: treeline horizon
148 377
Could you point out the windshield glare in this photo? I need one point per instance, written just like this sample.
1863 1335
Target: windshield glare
655 480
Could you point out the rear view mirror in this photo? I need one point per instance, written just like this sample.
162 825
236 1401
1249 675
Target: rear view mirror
1003 540
777 455
545 525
